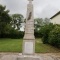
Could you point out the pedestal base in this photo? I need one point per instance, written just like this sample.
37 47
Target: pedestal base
26 57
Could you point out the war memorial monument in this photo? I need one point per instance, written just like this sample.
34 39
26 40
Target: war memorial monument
29 39
28 52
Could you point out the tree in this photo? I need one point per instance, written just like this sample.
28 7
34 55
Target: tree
38 23
17 19
41 22
46 21
4 19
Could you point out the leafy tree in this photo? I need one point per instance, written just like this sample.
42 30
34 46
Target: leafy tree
4 19
38 23
17 19
46 21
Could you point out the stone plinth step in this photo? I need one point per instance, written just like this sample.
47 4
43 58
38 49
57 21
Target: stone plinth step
29 58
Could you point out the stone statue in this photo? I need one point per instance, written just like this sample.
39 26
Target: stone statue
30 0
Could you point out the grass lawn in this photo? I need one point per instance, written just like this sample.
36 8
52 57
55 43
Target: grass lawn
45 48
10 45
15 45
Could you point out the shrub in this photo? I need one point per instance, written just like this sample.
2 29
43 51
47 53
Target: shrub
16 34
37 34
54 37
45 30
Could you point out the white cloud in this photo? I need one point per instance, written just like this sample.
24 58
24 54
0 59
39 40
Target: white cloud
48 11
20 6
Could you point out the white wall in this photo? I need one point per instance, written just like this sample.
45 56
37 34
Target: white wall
56 19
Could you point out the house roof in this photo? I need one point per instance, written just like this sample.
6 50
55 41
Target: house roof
55 15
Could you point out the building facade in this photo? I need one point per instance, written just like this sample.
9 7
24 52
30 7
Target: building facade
56 18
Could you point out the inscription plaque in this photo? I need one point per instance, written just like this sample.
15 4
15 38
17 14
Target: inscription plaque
28 48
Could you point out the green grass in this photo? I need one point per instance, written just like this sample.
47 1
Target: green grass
15 45
45 48
10 45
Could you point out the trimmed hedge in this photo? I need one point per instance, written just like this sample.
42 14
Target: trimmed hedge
14 34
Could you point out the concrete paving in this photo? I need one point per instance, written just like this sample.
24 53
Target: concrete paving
17 56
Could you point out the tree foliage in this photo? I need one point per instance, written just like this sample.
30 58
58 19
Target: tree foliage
17 19
45 30
6 23
4 19
54 36
46 21
39 25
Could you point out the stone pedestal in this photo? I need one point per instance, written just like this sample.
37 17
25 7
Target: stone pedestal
28 47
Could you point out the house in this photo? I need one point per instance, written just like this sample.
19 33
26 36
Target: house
55 19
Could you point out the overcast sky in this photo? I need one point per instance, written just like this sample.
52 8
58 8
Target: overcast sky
42 8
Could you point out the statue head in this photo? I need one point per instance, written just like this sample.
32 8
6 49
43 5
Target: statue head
30 0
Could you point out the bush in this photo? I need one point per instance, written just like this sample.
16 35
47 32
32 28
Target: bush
37 34
45 30
54 37
15 34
